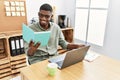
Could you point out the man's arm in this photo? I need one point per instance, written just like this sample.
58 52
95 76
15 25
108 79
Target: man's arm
65 45
74 46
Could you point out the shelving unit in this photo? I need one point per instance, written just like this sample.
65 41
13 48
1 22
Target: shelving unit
2 48
5 67
13 14
10 65
68 34
17 62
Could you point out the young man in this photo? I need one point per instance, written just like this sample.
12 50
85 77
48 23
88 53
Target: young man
37 53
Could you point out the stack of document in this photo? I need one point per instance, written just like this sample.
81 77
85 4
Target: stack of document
29 34
91 57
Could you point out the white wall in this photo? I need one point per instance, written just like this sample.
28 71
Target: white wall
63 7
112 39
111 45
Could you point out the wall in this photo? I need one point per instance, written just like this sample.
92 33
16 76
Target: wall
112 40
111 45
61 8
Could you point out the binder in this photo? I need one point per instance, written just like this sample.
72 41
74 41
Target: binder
17 45
12 46
21 45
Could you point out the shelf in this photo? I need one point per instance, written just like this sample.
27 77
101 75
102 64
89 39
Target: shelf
2 35
15 71
4 61
5 74
2 55
69 28
68 34
18 62
5 70
16 68
5 66
18 57
14 33
2 48
19 66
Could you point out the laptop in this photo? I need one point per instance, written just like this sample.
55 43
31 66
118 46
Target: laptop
70 57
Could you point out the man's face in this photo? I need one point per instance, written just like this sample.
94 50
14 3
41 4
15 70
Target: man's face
44 17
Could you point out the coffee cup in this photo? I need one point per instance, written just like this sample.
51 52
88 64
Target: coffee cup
52 69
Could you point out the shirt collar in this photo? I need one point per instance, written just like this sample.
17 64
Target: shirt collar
43 28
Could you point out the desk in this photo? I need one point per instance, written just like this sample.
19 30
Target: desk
103 68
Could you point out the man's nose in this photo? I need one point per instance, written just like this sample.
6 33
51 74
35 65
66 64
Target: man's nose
43 18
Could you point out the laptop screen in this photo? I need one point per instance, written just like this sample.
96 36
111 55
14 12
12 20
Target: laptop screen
70 57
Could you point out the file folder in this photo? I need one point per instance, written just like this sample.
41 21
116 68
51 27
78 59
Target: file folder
12 46
17 44
29 34
21 45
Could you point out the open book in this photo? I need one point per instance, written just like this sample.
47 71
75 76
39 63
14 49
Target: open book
29 34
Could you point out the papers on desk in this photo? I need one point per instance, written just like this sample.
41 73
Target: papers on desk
29 34
16 78
91 56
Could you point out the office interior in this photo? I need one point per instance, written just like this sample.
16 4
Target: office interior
110 46
111 40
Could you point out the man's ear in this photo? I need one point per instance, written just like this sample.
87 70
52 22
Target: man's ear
52 16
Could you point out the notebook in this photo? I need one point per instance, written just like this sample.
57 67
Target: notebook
70 57
29 34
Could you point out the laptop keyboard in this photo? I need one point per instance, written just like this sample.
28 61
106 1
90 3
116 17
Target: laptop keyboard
60 63
57 58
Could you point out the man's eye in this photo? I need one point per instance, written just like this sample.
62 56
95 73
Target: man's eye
46 16
41 15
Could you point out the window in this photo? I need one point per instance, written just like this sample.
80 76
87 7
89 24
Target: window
90 20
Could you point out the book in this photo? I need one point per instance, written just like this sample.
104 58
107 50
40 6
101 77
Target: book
29 34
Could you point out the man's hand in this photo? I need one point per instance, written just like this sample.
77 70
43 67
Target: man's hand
32 48
74 46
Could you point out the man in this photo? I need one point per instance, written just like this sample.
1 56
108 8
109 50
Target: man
38 53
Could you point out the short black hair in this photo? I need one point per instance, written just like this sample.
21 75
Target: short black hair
46 7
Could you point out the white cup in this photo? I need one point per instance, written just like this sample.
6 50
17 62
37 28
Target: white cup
52 68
